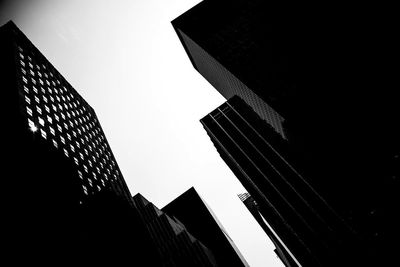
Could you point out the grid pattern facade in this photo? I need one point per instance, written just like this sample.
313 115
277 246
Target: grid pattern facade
228 85
56 113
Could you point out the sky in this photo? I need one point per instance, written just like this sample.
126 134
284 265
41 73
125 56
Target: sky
125 59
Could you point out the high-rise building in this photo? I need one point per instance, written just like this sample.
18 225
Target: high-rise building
65 197
190 209
280 248
307 226
321 81
175 244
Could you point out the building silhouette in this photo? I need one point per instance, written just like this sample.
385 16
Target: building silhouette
174 243
66 199
308 228
280 249
319 82
199 220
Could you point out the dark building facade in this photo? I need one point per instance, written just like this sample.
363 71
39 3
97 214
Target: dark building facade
280 248
175 244
65 197
199 220
261 159
321 81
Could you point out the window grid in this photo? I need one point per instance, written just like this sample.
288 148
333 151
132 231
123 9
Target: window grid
61 116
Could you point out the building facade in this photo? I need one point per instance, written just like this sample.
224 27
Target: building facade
307 75
281 250
199 220
65 195
175 244
305 224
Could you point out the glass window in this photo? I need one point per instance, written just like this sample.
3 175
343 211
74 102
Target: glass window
29 111
43 133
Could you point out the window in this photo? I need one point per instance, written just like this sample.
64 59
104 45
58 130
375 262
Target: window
84 189
29 111
41 121
32 126
43 133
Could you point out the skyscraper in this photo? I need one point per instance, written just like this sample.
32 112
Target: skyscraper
65 197
307 226
280 248
320 79
199 220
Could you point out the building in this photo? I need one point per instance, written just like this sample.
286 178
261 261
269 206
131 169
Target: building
280 248
175 244
199 220
307 76
65 197
307 227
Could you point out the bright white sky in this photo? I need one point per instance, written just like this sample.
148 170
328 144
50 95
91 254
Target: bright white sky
125 59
